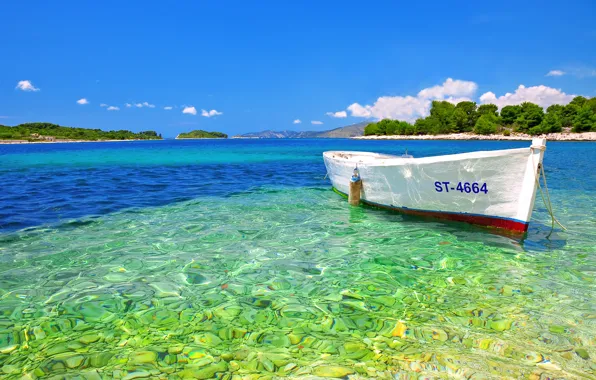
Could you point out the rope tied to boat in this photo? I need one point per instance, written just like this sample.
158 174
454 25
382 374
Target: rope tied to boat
547 203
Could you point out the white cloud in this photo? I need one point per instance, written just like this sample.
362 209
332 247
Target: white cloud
393 107
555 73
297 121
316 122
210 113
338 114
128 105
26 85
409 107
542 95
83 101
190 110
112 108
168 108
139 105
449 88
103 105
146 104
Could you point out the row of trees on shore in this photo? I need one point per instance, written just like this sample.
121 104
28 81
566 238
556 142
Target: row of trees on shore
31 131
445 118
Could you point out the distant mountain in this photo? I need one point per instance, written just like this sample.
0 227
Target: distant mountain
342 132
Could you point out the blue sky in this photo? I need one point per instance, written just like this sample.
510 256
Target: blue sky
266 64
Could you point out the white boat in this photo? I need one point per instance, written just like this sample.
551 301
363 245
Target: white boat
489 188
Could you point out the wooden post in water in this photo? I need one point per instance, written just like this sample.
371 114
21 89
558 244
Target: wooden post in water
355 188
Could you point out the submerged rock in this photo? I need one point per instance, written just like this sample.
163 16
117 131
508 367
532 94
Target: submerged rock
192 372
332 371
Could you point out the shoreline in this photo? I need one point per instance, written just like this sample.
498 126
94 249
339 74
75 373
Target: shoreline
583 136
14 142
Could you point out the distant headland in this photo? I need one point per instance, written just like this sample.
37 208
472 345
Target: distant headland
200 134
52 133
343 132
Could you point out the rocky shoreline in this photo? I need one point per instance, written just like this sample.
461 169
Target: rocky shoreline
64 141
585 136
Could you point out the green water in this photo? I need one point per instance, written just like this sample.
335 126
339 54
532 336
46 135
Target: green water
236 260
286 282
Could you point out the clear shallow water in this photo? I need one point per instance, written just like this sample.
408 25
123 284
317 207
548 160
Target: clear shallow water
220 258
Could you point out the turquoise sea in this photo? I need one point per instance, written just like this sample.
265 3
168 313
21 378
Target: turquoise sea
234 259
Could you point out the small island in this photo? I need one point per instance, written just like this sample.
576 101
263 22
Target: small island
200 134
48 132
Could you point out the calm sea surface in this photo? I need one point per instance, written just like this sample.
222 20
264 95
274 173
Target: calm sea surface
235 259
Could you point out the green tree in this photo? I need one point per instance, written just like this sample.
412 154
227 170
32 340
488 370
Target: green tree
531 115
568 114
391 127
488 109
371 129
469 108
509 114
486 124
555 108
585 120
410 129
401 128
592 104
421 126
551 123
578 101
459 120
439 121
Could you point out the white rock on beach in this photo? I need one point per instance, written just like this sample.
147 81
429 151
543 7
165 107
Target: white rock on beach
585 136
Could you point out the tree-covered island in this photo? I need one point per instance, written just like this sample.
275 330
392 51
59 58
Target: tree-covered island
200 134
446 118
47 132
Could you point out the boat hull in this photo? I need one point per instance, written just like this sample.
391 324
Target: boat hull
494 188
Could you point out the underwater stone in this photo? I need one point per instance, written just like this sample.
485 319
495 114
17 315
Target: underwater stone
91 375
548 366
176 349
500 325
439 334
74 361
507 291
582 353
197 354
207 339
557 329
268 365
355 350
8 349
8 369
203 372
100 359
195 278
333 371
280 284
276 340
89 338
384 300
289 367
165 289
143 357
136 375
399 330
170 359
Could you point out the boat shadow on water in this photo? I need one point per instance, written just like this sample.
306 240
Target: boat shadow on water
539 237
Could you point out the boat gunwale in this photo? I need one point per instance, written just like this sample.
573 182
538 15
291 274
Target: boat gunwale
397 160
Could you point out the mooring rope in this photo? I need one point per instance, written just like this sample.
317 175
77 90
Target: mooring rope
546 200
